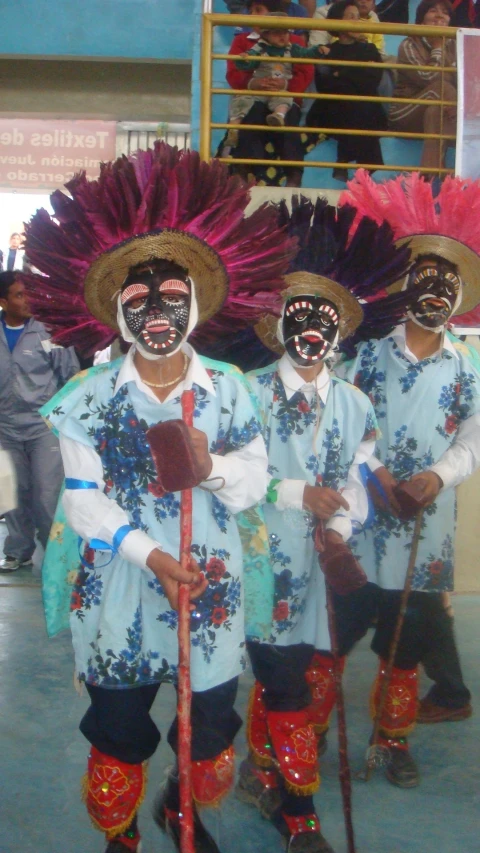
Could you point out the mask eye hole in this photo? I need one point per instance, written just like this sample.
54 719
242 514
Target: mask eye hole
299 318
134 296
173 299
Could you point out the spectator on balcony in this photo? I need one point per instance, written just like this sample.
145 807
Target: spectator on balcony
466 13
431 85
367 12
267 145
262 7
348 80
272 43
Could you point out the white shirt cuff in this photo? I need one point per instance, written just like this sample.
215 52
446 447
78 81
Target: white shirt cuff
290 495
342 525
374 464
218 477
136 547
444 471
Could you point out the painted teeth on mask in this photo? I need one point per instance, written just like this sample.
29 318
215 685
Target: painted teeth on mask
164 345
314 357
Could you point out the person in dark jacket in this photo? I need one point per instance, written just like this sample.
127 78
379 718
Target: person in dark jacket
33 370
348 80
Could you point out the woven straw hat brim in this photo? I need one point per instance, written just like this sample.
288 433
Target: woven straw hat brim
465 259
107 274
305 283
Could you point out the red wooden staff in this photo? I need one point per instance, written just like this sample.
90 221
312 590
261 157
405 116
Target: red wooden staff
184 684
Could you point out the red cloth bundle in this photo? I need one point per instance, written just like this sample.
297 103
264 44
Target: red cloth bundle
410 499
174 457
339 565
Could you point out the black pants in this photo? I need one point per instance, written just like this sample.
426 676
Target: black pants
427 637
251 143
281 669
118 722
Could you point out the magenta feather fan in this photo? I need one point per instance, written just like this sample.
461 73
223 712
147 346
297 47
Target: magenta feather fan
409 206
149 191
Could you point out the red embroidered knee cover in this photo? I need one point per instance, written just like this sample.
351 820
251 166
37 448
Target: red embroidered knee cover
212 778
114 791
400 707
257 730
321 678
295 746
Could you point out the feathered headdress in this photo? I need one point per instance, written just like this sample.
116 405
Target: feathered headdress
353 273
160 203
447 224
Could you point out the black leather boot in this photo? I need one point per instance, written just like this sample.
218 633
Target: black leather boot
166 810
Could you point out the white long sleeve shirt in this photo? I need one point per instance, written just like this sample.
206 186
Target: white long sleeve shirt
290 492
461 459
241 474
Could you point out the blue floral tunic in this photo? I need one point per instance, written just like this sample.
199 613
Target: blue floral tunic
323 457
124 631
420 407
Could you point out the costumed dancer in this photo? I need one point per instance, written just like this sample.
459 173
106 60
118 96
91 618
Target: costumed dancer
318 430
158 244
425 389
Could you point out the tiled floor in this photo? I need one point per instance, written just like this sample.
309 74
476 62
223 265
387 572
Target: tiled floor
42 755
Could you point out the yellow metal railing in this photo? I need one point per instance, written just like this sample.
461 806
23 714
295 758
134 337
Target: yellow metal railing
210 21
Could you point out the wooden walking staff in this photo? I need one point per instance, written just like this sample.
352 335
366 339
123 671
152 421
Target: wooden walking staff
178 471
345 775
343 575
184 684
373 759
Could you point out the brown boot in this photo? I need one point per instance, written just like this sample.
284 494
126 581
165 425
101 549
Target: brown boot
260 787
430 712
402 770
303 834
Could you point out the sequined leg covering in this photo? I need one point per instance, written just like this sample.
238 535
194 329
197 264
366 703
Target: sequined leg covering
321 678
114 791
295 747
397 721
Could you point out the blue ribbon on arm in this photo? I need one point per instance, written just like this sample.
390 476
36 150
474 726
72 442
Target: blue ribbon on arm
368 476
72 483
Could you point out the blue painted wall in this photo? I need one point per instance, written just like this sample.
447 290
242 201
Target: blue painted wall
130 29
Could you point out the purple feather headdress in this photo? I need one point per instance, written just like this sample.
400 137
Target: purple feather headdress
162 191
365 264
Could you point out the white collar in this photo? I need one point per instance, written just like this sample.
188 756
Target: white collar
196 374
293 382
399 336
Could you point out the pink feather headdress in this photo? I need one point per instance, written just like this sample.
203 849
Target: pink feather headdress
157 203
447 223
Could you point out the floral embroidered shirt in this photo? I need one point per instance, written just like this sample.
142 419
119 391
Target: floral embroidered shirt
429 415
124 631
313 437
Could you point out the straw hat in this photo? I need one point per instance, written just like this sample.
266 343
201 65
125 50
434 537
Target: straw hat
107 274
306 283
466 261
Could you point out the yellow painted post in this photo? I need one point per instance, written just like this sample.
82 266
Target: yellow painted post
206 89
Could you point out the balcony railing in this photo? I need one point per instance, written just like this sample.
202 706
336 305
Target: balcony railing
208 91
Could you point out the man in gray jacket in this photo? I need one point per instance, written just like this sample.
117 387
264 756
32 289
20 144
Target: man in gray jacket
32 369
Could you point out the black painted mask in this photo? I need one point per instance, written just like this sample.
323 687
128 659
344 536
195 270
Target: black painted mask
437 285
156 302
309 328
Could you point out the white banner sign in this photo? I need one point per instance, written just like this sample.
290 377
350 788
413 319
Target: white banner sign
467 161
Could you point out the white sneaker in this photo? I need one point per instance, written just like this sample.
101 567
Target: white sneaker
276 120
11 564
